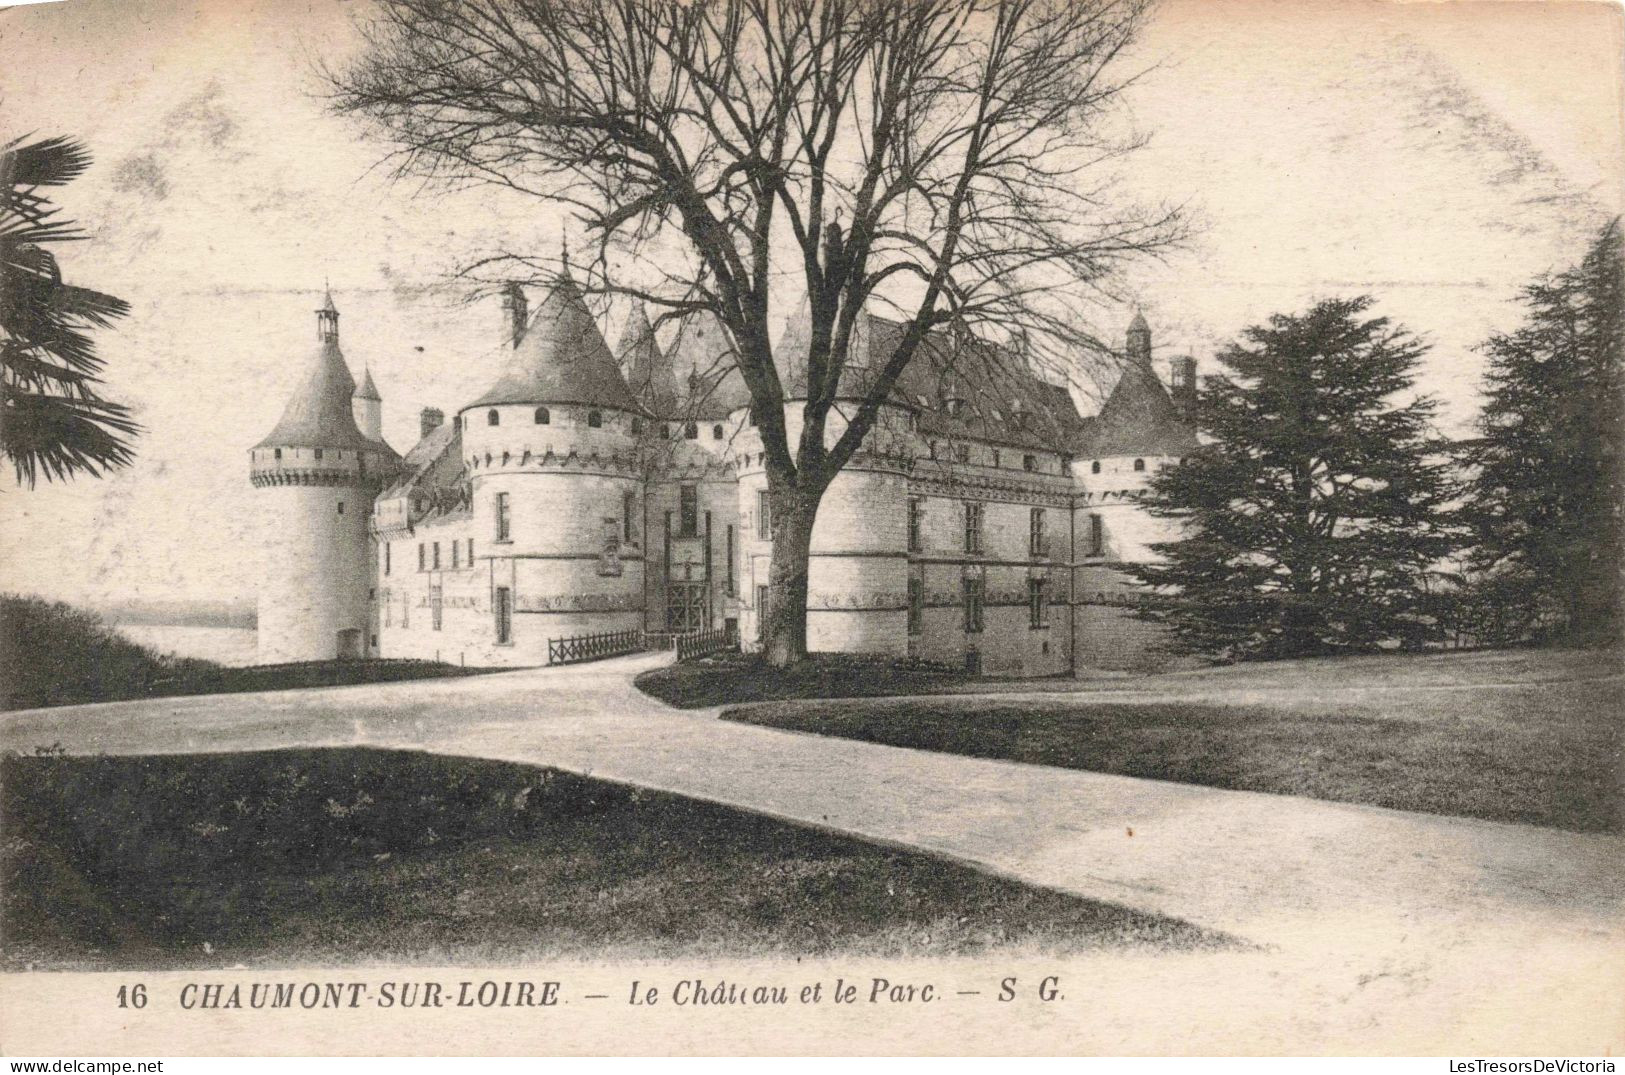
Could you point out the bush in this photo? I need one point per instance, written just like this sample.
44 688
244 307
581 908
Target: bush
55 654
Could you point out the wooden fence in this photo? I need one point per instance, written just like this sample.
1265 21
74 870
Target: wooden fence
704 643
593 647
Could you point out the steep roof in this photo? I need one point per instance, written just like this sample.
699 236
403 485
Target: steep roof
562 358
702 361
319 414
420 464
368 390
648 373
1000 398
1138 418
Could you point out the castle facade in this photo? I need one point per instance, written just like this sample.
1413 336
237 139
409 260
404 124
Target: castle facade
984 522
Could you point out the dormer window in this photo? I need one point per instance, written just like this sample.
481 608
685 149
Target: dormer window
543 416
1029 463
953 407
595 419
492 418
637 424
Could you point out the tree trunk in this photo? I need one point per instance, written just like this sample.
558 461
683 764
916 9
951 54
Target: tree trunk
785 640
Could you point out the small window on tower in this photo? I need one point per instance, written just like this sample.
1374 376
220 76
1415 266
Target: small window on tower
691 431
716 432
637 425
492 418
341 507
318 453
279 453
542 416
1139 464
1094 468
595 419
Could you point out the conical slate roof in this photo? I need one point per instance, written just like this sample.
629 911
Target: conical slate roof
368 390
647 370
702 360
1138 418
562 358
319 415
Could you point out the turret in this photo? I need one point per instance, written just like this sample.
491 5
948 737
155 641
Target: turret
1138 347
551 451
369 408
318 472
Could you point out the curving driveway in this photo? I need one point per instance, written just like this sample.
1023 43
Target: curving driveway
1277 870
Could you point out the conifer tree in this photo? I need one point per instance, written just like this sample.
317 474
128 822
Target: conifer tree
1313 512
1545 485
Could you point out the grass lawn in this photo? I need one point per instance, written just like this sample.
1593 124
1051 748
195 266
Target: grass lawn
1488 736
733 678
53 654
358 856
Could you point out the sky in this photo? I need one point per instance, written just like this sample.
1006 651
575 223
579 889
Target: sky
1437 156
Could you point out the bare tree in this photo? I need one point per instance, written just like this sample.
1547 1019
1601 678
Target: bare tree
946 159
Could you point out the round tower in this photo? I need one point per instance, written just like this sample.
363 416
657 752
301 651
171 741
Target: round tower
318 473
558 512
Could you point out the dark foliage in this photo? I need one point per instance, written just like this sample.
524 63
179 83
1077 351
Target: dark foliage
739 678
53 418
1540 753
54 654
362 855
1314 511
1547 490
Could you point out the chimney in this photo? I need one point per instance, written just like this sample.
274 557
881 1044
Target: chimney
1182 385
429 420
513 302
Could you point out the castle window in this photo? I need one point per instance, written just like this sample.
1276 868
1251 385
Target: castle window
973 528
436 556
386 557
1029 463
997 459
962 454
691 431
954 407
1094 468
341 507
716 432
1037 607
637 424
973 605
629 503
502 606
931 447
688 510
916 605
543 417
916 513
595 419
1097 536
279 453
318 453
764 514
665 431
1036 543
421 554
503 531
492 418
470 552
456 555
733 586
1139 464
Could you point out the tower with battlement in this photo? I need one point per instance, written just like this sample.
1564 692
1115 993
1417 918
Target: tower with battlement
317 473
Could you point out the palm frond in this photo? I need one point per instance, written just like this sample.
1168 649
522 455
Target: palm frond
50 162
